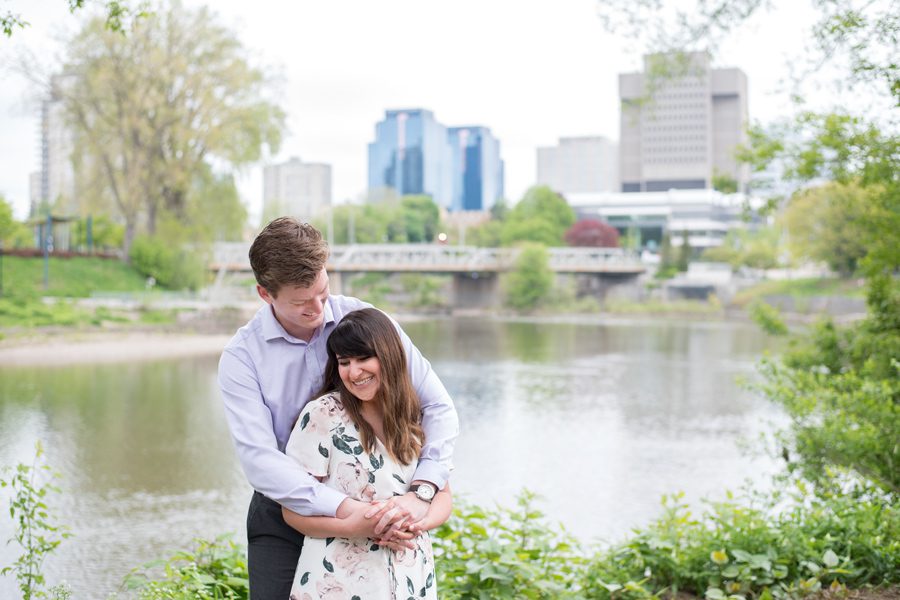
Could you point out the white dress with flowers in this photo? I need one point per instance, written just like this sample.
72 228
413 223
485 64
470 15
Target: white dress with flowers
326 443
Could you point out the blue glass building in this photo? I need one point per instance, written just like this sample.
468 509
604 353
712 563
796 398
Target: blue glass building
459 167
411 155
476 167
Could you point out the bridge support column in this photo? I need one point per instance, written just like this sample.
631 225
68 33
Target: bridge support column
475 290
336 282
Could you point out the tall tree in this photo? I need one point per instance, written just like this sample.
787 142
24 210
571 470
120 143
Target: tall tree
541 216
151 111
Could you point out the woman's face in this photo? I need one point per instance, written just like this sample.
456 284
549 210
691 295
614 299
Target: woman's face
361 376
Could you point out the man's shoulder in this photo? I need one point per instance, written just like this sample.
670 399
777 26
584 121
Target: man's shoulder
248 334
341 305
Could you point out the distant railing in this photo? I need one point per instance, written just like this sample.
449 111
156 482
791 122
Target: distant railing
438 258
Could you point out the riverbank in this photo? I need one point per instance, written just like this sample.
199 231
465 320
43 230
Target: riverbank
96 346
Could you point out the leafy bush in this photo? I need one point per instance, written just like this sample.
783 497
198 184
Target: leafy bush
212 569
531 279
755 548
170 266
505 553
766 316
35 531
841 389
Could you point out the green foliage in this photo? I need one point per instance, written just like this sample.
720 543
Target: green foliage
541 216
371 287
75 277
684 252
421 217
120 14
486 235
799 289
780 546
840 387
424 291
723 182
757 249
767 317
170 266
830 224
210 570
35 532
151 111
505 553
18 311
531 279
106 234
214 209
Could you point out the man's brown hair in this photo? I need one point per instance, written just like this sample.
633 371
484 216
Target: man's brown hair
287 253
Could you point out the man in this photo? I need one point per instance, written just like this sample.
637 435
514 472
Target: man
270 369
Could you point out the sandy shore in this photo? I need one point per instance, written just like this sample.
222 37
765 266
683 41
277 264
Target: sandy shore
106 347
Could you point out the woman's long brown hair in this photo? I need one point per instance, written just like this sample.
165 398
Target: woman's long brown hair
362 334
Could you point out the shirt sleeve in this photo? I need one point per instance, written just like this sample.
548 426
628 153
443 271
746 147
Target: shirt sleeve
269 471
439 419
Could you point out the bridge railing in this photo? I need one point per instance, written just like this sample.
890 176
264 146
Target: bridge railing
440 258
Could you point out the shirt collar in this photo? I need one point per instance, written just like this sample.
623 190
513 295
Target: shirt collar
272 329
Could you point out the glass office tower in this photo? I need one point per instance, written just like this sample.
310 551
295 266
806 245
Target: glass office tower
477 168
411 155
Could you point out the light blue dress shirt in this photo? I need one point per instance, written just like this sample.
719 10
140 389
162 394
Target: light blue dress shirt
267 375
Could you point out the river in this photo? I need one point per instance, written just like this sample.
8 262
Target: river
599 417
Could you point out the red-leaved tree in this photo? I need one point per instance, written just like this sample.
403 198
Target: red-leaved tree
593 233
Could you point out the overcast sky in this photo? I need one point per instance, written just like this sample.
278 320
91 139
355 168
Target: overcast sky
531 70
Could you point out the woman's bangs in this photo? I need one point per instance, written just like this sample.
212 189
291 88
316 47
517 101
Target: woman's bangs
350 341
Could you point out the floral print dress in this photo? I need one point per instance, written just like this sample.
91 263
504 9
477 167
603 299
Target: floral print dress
326 443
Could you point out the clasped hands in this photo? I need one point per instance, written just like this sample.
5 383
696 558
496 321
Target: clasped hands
392 523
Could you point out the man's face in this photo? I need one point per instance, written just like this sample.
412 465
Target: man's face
300 310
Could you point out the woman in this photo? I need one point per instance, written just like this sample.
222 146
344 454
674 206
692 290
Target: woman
362 436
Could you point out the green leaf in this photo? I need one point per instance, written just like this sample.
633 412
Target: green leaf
341 445
304 579
323 451
304 421
410 586
328 566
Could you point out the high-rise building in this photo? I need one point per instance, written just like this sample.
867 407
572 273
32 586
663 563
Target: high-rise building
411 155
476 168
57 176
296 188
678 132
579 165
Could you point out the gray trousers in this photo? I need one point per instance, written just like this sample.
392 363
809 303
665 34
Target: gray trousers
273 548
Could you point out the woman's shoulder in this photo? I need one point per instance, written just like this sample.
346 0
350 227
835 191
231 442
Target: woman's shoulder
322 413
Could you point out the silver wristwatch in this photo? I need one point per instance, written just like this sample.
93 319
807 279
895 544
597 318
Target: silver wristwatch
423 491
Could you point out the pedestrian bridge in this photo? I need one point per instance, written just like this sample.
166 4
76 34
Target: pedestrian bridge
437 258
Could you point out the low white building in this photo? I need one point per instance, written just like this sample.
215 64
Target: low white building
706 215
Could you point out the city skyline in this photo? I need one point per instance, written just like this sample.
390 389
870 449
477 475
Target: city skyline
530 94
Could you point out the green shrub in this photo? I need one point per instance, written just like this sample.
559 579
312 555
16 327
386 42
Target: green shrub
531 280
211 569
756 548
170 266
505 553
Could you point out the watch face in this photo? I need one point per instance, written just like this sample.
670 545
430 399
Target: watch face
425 492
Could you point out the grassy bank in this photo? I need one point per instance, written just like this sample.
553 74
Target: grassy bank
22 307
800 288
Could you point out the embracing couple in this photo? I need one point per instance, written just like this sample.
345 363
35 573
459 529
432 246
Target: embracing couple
343 430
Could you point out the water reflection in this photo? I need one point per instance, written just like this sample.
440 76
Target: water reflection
600 418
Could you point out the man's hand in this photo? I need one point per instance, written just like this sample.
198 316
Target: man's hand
396 515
